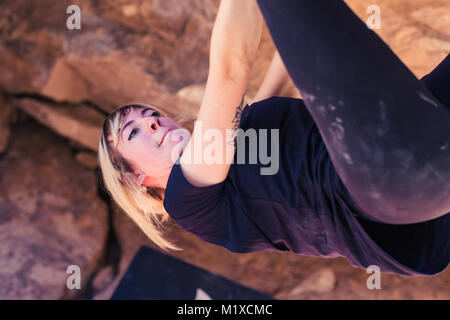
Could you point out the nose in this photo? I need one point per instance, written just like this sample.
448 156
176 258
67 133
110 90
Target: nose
150 123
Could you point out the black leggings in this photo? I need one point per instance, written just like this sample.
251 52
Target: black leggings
387 134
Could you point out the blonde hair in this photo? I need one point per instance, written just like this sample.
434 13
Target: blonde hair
144 205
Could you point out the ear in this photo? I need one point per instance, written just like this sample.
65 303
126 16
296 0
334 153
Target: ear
141 177
131 180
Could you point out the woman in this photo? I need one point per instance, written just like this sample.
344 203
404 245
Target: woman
360 175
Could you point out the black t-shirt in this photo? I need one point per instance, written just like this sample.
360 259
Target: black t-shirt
304 207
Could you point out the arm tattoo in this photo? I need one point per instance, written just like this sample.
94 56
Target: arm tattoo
236 122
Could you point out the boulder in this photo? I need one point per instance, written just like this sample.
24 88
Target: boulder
123 52
320 281
50 217
77 122
5 114
129 238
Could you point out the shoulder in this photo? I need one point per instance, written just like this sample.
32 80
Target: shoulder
182 198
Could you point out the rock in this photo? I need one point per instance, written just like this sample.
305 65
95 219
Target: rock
79 123
5 114
416 31
87 160
50 217
102 278
321 281
434 16
72 77
134 52
193 93
130 10
130 238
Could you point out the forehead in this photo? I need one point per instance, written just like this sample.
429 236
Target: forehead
126 114
133 113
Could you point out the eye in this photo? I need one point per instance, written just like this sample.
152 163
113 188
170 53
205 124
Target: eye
154 114
131 134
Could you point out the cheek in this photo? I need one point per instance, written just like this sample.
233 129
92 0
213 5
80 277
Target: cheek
169 122
150 160
142 149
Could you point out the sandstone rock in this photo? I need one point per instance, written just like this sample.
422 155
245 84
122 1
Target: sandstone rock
130 10
87 160
435 17
79 123
121 53
109 81
102 279
5 113
321 281
50 217
193 93
130 238
416 31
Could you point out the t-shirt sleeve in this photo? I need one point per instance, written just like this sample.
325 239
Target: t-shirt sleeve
199 210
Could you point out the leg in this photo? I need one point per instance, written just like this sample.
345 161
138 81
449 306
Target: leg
386 133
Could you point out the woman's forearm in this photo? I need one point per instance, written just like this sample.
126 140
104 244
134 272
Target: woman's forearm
236 35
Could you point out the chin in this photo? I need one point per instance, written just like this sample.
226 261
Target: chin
178 146
181 132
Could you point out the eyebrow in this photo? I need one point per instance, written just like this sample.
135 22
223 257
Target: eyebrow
131 122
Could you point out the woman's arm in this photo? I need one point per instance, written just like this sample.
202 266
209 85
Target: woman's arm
273 82
234 42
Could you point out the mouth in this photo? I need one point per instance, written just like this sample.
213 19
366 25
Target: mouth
164 135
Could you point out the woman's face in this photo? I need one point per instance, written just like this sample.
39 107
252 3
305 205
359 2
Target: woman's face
151 143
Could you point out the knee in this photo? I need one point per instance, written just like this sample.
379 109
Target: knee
403 208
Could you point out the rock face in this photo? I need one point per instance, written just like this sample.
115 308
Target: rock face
321 281
5 111
124 51
129 238
50 217
76 122
417 31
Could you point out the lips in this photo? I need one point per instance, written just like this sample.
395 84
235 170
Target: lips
164 135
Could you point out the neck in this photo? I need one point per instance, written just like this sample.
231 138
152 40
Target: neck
158 182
